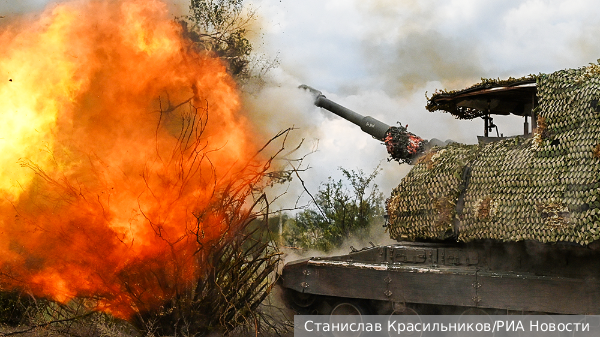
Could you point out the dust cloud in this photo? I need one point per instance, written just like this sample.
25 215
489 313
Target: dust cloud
378 236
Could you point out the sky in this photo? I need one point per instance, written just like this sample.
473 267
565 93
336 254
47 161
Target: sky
381 57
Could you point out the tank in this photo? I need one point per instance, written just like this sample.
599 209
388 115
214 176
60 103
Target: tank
510 225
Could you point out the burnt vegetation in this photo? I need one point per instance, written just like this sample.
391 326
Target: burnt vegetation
233 273
237 277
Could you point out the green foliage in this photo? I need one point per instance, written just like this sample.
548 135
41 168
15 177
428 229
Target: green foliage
267 232
221 27
339 212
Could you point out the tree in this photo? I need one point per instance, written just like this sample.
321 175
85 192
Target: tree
338 212
221 27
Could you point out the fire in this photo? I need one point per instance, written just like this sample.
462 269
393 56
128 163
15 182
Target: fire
115 143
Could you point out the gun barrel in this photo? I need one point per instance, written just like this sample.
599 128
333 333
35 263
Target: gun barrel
368 124
401 145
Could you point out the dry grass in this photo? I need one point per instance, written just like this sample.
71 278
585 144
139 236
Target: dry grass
233 273
238 273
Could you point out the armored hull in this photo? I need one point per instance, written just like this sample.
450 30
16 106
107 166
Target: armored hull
438 278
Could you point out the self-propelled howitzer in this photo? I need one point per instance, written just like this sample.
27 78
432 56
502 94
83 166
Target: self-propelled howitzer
402 146
511 225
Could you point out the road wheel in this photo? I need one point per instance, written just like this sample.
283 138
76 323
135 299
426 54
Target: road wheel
407 316
475 316
300 302
349 308
303 300
347 312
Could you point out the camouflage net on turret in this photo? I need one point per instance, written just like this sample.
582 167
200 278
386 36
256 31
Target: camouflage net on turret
546 188
423 205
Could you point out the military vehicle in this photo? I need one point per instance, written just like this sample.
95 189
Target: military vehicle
510 225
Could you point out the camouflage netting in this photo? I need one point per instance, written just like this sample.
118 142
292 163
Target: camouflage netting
546 188
436 102
424 204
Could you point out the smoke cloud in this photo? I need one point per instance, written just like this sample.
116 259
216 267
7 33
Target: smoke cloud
409 43
419 58
414 43
281 104
11 7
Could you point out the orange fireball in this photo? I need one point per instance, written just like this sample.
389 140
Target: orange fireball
116 141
